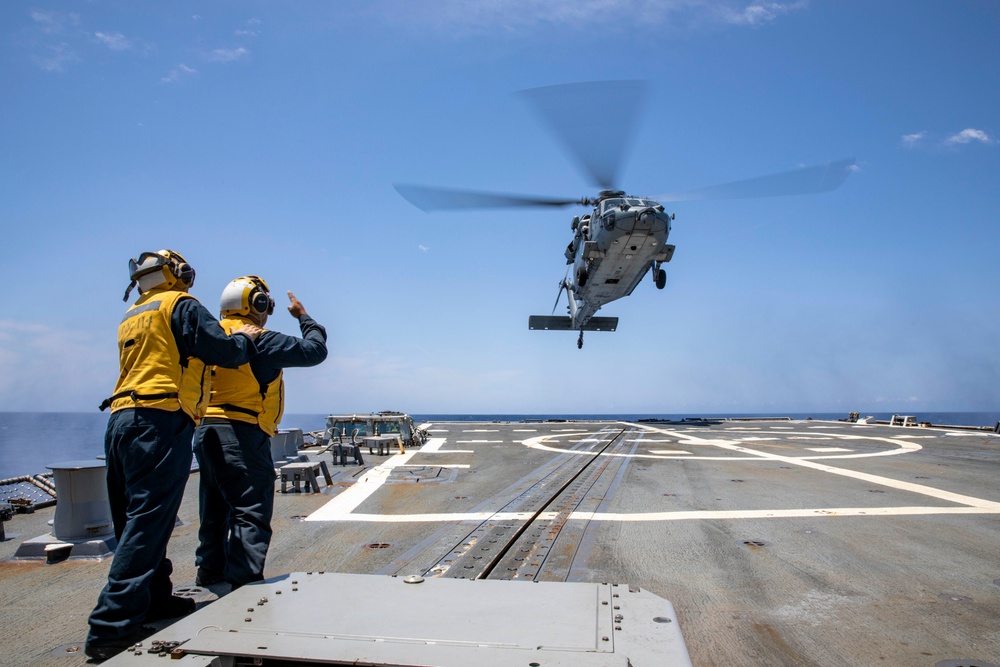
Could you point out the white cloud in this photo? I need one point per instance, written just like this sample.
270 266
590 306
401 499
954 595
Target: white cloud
423 248
967 136
250 30
53 22
913 139
178 73
463 17
758 13
228 55
56 58
114 41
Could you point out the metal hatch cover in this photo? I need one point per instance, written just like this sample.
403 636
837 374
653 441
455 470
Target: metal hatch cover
355 619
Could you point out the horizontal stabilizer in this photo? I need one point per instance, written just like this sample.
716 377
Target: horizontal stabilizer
564 323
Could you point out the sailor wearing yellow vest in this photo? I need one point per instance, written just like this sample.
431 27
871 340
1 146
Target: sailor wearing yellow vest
233 441
165 341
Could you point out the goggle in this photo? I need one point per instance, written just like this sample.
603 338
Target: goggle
139 267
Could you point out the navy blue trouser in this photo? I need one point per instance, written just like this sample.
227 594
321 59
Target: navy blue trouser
149 461
236 493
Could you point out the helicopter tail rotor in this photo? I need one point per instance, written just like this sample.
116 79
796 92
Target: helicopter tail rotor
563 284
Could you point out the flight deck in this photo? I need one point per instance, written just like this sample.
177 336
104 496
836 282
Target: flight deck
758 542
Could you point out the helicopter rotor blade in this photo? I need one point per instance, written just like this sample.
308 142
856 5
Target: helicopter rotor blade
806 180
432 199
595 121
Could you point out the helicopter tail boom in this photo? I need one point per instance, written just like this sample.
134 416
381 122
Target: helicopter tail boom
564 323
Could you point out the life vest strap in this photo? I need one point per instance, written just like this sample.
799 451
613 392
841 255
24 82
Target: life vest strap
135 396
236 408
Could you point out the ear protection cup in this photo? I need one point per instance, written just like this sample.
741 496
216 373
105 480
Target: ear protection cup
259 301
184 272
179 267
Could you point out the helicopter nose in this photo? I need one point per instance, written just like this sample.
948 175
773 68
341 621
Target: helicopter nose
645 220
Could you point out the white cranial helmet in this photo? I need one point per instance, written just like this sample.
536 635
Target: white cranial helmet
247 296
163 268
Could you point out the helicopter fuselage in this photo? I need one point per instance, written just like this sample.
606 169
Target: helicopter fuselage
614 246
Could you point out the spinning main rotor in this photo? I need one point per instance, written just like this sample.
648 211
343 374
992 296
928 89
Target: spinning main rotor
595 122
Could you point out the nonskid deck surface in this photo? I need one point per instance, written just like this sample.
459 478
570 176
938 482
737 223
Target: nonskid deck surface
777 542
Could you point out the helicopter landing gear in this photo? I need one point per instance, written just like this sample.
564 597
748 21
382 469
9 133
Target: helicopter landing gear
581 276
659 276
579 341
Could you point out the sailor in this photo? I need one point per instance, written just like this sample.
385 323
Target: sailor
233 441
165 341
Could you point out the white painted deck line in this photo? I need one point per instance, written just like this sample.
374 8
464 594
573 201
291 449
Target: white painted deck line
435 465
340 508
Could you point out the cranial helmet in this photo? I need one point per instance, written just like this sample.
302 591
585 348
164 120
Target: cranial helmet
247 296
161 268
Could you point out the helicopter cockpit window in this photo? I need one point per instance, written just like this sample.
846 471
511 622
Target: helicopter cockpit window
609 204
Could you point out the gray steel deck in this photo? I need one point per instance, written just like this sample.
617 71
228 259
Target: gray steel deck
777 542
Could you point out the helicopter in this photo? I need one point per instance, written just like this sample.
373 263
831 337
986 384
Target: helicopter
624 237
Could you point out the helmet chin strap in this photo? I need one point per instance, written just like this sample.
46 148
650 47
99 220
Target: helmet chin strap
128 291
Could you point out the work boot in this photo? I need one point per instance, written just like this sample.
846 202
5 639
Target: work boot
173 607
101 651
205 578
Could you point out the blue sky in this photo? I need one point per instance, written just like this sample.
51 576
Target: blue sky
264 137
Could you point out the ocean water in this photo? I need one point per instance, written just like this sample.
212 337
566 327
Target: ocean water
31 441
